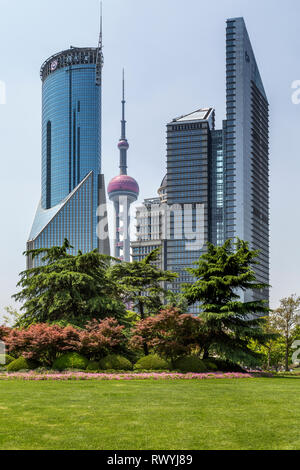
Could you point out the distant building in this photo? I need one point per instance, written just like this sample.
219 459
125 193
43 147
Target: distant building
149 232
72 184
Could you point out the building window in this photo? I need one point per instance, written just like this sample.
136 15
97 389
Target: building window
48 167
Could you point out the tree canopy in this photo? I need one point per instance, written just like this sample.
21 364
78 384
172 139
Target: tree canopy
142 283
222 274
70 288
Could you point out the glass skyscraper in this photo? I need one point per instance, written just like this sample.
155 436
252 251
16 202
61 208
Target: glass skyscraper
246 134
72 183
226 170
189 143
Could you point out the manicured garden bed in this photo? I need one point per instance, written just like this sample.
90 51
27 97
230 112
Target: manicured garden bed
259 413
69 375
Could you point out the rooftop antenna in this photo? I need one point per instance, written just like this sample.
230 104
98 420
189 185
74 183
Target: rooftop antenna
100 58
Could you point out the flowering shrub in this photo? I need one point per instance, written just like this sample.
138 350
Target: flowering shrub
170 333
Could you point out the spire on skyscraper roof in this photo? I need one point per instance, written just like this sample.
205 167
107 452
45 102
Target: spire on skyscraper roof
100 58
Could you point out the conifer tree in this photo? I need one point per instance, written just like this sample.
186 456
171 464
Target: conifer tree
68 288
222 274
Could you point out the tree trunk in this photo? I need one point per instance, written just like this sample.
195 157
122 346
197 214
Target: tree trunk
206 353
287 356
142 314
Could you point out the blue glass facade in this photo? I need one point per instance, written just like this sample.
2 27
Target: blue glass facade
246 150
72 184
72 109
189 143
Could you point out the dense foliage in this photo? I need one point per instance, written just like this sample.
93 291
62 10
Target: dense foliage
20 364
151 362
222 274
285 321
74 289
44 343
76 305
115 362
190 364
70 361
170 333
142 284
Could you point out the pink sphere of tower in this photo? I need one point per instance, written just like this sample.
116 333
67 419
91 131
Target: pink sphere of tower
123 144
123 184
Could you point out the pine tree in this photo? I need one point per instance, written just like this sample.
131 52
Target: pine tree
229 323
68 288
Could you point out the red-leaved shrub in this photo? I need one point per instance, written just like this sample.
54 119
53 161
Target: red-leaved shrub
100 338
4 331
42 342
170 334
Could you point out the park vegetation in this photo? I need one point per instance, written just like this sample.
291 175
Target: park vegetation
92 312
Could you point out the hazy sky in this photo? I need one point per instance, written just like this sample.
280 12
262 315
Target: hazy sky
174 55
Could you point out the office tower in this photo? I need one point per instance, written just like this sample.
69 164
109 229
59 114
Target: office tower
226 170
188 186
246 134
123 190
72 183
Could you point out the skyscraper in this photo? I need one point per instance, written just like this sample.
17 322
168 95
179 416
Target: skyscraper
188 186
226 170
72 183
123 190
246 133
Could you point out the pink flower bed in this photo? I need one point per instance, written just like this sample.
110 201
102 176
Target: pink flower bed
124 376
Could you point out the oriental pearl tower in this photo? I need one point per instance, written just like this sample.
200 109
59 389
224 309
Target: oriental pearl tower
123 190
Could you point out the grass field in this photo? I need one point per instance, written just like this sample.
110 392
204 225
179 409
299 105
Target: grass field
156 415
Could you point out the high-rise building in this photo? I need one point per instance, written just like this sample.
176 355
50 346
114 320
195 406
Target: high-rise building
226 170
123 190
72 183
246 134
189 142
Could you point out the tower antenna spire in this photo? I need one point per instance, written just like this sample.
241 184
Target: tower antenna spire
123 122
123 144
100 58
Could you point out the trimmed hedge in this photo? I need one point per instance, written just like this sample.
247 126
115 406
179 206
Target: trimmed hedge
210 365
115 362
93 365
226 366
20 364
151 362
70 361
8 359
190 364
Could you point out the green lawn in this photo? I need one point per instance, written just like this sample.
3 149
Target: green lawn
155 415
